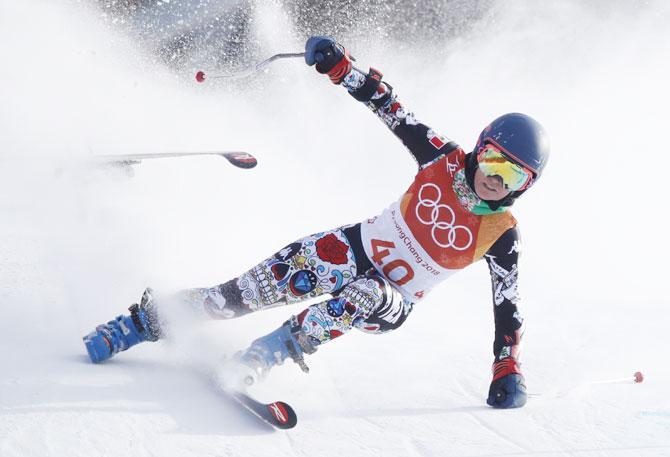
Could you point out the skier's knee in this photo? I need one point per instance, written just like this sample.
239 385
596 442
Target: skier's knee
366 293
390 309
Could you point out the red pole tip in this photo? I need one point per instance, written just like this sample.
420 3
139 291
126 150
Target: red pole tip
200 76
639 377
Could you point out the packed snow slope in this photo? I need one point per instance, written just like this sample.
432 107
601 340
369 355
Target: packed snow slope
78 245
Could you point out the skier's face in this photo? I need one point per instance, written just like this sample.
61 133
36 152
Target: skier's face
489 188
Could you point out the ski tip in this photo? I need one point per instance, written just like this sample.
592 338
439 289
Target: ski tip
284 417
241 159
277 414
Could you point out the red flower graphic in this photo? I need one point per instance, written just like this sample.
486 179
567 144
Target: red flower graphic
332 250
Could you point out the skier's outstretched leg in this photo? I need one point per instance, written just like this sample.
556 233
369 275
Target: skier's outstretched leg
369 303
319 264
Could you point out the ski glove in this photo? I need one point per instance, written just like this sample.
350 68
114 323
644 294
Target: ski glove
329 57
508 388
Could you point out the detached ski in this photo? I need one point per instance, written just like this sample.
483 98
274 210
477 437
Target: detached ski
277 414
237 158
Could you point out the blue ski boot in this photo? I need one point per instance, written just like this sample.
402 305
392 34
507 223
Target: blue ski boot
252 365
124 331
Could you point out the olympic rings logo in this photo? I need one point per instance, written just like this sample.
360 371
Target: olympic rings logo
441 225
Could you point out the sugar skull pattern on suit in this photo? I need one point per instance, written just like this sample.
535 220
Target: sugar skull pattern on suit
504 282
315 265
369 304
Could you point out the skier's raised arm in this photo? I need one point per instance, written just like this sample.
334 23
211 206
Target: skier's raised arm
333 59
508 386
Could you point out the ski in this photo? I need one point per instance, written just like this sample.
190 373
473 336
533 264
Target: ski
277 414
237 158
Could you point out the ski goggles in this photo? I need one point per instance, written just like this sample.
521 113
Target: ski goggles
492 162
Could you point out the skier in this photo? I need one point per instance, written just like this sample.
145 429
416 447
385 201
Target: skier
455 212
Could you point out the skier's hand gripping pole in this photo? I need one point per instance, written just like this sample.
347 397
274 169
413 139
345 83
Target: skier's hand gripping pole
329 57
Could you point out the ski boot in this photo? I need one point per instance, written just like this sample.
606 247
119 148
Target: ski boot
252 365
125 331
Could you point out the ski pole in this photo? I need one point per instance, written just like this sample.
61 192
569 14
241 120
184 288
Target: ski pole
200 75
636 378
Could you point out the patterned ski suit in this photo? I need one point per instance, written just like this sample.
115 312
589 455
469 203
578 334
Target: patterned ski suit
378 269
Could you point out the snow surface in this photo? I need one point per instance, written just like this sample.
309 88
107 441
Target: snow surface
77 246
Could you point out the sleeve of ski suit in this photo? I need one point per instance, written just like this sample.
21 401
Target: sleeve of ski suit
502 259
423 143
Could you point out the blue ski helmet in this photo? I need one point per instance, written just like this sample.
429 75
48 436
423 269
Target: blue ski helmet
521 138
